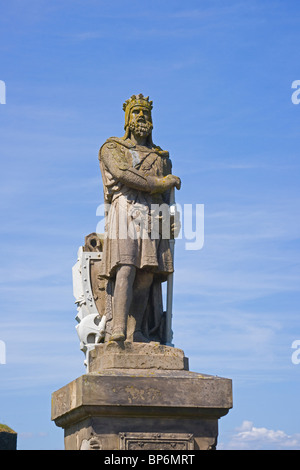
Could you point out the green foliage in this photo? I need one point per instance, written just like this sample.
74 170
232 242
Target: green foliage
5 428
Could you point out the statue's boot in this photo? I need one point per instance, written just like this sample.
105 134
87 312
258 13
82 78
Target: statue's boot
117 335
134 329
138 337
119 327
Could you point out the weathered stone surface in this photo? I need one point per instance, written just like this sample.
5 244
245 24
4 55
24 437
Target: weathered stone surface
130 355
122 433
102 405
156 441
189 391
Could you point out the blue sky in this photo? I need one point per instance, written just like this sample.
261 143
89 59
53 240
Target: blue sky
220 75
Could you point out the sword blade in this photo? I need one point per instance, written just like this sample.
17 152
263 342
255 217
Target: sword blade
169 332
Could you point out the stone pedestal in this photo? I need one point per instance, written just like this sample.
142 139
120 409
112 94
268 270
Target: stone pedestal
141 397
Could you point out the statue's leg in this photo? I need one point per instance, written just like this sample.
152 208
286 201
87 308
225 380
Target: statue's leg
141 290
122 299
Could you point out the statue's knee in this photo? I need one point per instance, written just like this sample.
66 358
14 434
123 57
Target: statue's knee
126 273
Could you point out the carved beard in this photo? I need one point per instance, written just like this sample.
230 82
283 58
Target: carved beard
142 129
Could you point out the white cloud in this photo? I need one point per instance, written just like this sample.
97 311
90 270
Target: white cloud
249 437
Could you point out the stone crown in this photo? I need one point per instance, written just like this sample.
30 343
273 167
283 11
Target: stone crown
137 100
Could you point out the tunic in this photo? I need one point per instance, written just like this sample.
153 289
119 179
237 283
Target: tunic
132 234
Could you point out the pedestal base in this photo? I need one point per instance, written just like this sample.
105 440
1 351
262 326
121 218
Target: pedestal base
150 409
128 355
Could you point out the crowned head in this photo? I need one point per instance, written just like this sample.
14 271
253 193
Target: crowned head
138 117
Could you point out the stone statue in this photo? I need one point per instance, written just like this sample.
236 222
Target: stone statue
117 280
136 177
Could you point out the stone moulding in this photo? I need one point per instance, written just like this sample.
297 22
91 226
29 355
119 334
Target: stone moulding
136 356
182 408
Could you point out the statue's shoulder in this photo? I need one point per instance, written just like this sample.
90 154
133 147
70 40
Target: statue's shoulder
117 143
165 159
162 153
115 148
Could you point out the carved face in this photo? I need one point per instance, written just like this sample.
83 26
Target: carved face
139 113
140 121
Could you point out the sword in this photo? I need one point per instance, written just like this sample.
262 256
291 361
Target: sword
169 332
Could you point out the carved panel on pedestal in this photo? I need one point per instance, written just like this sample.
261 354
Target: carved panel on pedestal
156 441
